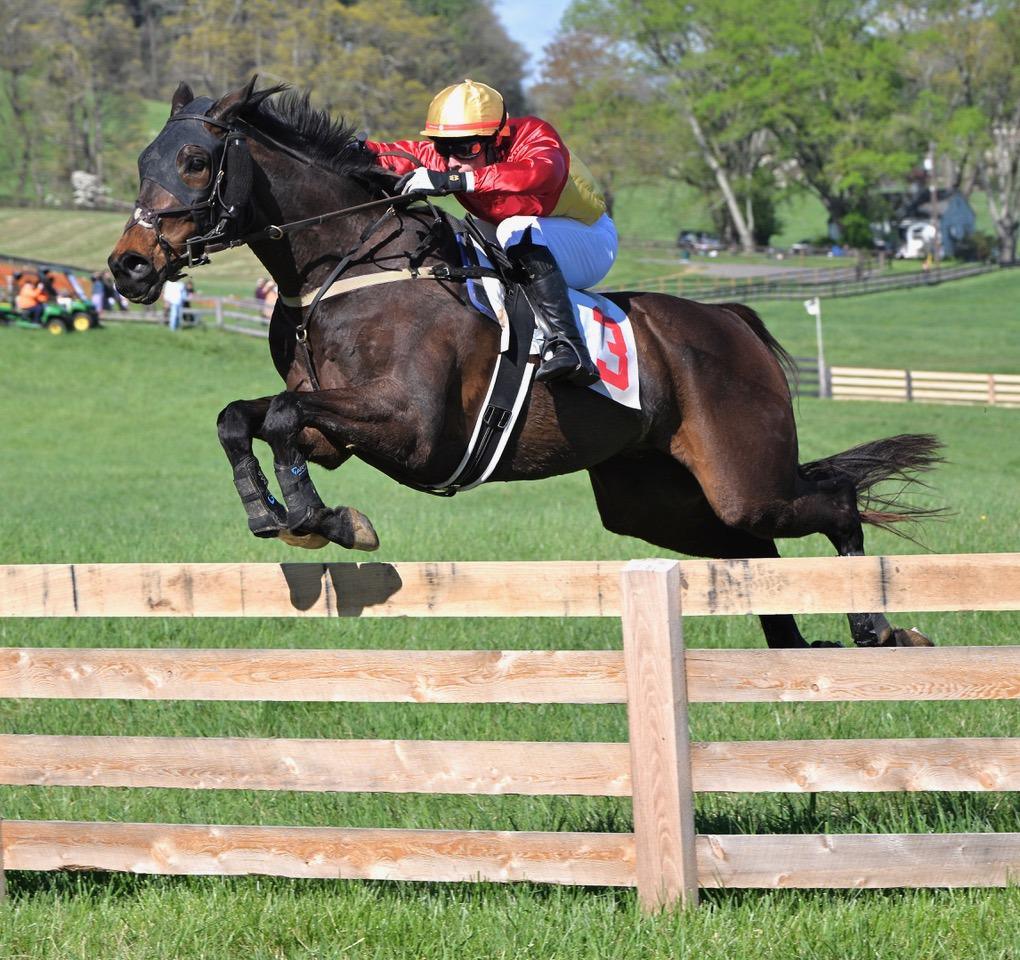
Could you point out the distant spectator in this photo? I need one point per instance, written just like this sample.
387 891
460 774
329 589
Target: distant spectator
174 296
260 289
46 280
186 314
30 299
270 294
100 296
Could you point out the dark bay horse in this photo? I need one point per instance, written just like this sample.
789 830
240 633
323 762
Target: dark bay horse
395 374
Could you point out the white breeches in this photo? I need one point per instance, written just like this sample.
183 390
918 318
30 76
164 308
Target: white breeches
584 253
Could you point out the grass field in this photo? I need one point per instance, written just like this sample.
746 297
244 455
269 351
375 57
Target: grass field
110 454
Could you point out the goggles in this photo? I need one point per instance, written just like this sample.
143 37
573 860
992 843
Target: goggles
460 149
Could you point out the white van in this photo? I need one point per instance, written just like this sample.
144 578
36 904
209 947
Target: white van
918 241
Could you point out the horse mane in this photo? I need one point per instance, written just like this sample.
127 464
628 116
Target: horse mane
288 116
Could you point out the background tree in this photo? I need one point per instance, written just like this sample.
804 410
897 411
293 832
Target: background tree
603 106
964 67
698 52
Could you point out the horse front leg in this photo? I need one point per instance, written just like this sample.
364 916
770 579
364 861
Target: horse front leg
237 425
308 520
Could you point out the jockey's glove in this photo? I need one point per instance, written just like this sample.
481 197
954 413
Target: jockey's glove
436 183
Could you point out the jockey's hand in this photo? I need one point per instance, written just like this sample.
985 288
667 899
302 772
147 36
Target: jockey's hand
435 183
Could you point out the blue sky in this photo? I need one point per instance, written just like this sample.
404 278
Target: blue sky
532 24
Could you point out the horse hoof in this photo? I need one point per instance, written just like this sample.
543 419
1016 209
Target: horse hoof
365 537
310 541
909 638
825 644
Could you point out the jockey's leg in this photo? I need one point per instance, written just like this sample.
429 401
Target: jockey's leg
553 252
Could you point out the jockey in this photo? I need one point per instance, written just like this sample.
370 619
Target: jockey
516 173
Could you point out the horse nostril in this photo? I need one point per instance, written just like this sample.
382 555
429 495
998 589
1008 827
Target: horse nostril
135 266
132 265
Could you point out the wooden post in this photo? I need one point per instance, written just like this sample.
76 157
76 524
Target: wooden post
660 749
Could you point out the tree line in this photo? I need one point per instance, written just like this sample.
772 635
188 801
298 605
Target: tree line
75 75
744 100
747 99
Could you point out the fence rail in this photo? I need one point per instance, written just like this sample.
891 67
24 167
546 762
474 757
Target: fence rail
924 386
659 768
797 285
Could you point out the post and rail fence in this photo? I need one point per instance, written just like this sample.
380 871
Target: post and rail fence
660 768
904 386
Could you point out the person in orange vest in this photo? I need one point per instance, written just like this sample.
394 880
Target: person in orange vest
516 173
31 297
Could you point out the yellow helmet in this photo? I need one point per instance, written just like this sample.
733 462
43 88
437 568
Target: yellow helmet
464 110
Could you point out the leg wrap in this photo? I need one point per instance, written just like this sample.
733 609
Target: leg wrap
299 494
266 517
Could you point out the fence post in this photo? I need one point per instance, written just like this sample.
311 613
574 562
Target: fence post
219 311
660 747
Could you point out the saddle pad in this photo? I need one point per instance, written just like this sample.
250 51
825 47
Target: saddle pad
607 331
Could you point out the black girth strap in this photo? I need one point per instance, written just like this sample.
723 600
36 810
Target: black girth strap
489 438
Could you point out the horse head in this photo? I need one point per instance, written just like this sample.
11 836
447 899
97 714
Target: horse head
220 168
182 205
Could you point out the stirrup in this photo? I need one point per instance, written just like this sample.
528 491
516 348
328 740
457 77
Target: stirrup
565 364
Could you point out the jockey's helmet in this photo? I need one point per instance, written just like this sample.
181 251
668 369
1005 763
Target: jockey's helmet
467 109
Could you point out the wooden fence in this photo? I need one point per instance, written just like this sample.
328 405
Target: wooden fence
924 386
660 768
801 284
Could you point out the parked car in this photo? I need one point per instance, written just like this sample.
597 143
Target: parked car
699 242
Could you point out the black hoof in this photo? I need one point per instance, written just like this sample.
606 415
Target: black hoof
825 644
349 528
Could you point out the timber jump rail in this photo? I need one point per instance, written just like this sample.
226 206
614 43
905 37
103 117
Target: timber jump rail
660 768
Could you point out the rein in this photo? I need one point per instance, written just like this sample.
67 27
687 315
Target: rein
226 195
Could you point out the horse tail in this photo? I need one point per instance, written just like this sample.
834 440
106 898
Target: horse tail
900 459
756 324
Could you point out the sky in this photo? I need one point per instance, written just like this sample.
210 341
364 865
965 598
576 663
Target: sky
532 24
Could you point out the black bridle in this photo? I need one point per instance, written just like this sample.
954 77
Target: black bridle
222 210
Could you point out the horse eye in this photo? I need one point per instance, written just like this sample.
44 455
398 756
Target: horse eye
196 164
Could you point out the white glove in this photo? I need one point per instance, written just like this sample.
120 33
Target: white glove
436 183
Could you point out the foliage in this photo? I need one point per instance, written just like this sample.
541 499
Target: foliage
857 231
963 65
73 72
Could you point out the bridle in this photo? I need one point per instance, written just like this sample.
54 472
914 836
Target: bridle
221 210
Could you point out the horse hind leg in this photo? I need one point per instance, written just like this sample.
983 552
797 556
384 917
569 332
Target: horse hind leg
309 522
655 498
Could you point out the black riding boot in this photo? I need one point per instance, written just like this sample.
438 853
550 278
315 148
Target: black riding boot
564 355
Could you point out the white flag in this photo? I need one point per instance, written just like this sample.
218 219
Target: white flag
813 306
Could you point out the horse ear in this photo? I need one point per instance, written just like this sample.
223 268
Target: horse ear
182 97
230 104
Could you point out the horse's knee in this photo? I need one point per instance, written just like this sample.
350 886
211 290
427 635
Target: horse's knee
283 419
237 423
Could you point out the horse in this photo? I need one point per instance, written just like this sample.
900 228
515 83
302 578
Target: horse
395 374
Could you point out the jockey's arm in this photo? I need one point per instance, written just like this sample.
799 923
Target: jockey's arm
538 166
422 149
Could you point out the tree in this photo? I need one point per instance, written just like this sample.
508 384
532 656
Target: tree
602 106
475 44
700 53
965 67
830 90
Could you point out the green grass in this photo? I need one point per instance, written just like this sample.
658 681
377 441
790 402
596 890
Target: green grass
111 455
968 325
